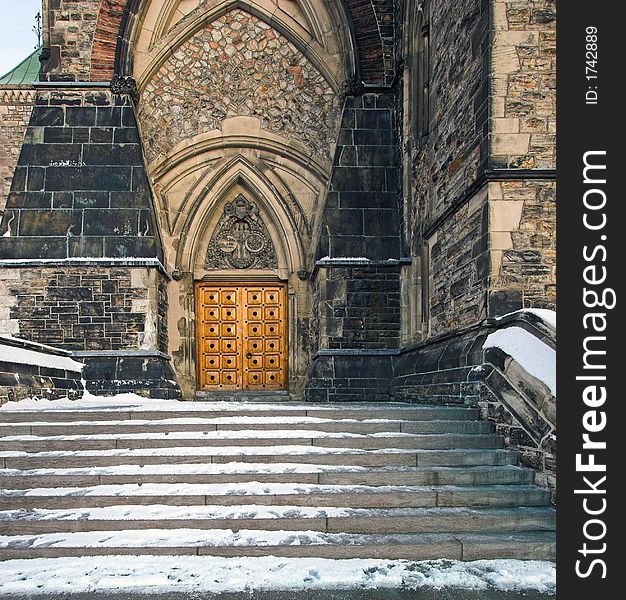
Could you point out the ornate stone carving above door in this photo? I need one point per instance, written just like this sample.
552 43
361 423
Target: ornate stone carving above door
240 239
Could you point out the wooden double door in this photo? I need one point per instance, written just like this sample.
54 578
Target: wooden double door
241 336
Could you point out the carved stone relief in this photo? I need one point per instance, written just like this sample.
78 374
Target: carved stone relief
240 239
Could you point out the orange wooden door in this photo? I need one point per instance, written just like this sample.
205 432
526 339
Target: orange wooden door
242 336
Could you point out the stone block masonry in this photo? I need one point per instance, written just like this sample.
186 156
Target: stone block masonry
111 317
15 109
523 74
80 247
357 275
86 308
80 187
361 308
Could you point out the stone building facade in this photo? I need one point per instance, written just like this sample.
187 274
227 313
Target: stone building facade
306 189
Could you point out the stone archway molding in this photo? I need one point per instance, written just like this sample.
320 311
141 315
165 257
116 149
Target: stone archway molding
206 208
328 65
119 25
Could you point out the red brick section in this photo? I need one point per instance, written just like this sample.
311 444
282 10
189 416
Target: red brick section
105 39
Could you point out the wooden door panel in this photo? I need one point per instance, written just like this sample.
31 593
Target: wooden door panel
241 336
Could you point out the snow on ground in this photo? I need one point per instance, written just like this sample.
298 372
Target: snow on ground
165 574
157 512
230 468
231 435
537 358
238 420
218 451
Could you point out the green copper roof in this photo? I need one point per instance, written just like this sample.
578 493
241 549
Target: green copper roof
26 73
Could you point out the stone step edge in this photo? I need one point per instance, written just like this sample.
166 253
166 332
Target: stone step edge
252 469
160 490
536 545
287 518
469 413
242 512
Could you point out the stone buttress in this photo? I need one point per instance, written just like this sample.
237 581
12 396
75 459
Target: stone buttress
80 252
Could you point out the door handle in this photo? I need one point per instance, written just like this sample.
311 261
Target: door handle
249 355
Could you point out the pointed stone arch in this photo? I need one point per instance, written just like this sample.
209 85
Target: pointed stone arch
205 210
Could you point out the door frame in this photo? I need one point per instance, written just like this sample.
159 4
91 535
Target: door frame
241 283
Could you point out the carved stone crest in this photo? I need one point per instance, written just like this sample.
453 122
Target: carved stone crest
240 239
121 85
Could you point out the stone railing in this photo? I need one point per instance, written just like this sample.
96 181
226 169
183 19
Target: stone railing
469 368
521 404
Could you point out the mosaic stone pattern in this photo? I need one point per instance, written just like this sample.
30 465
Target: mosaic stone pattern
238 65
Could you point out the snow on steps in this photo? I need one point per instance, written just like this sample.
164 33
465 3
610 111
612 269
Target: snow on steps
241 479
283 518
264 473
220 542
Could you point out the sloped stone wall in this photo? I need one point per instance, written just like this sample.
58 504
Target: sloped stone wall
15 109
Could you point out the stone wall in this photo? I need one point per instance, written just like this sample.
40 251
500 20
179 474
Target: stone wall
361 307
522 234
360 216
80 187
15 108
479 175
69 33
444 136
523 75
82 308
356 282
459 263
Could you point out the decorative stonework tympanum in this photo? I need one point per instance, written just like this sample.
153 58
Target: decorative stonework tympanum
240 239
238 65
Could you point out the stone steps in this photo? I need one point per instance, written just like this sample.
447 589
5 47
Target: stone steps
237 479
281 454
248 438
316 475
468 546
277 518
220 411
312 424
275 494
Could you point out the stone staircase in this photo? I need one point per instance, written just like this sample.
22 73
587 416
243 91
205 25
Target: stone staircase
252 479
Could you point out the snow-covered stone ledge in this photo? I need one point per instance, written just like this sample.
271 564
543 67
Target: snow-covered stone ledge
31 370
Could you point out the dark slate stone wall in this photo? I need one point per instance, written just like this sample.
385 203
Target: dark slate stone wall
147 374
361 308
361 217
80 188
351 377
77 308
445 155
357 275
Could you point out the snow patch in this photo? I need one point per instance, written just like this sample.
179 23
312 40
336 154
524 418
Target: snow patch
210 574
22 356
537 358
546 315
